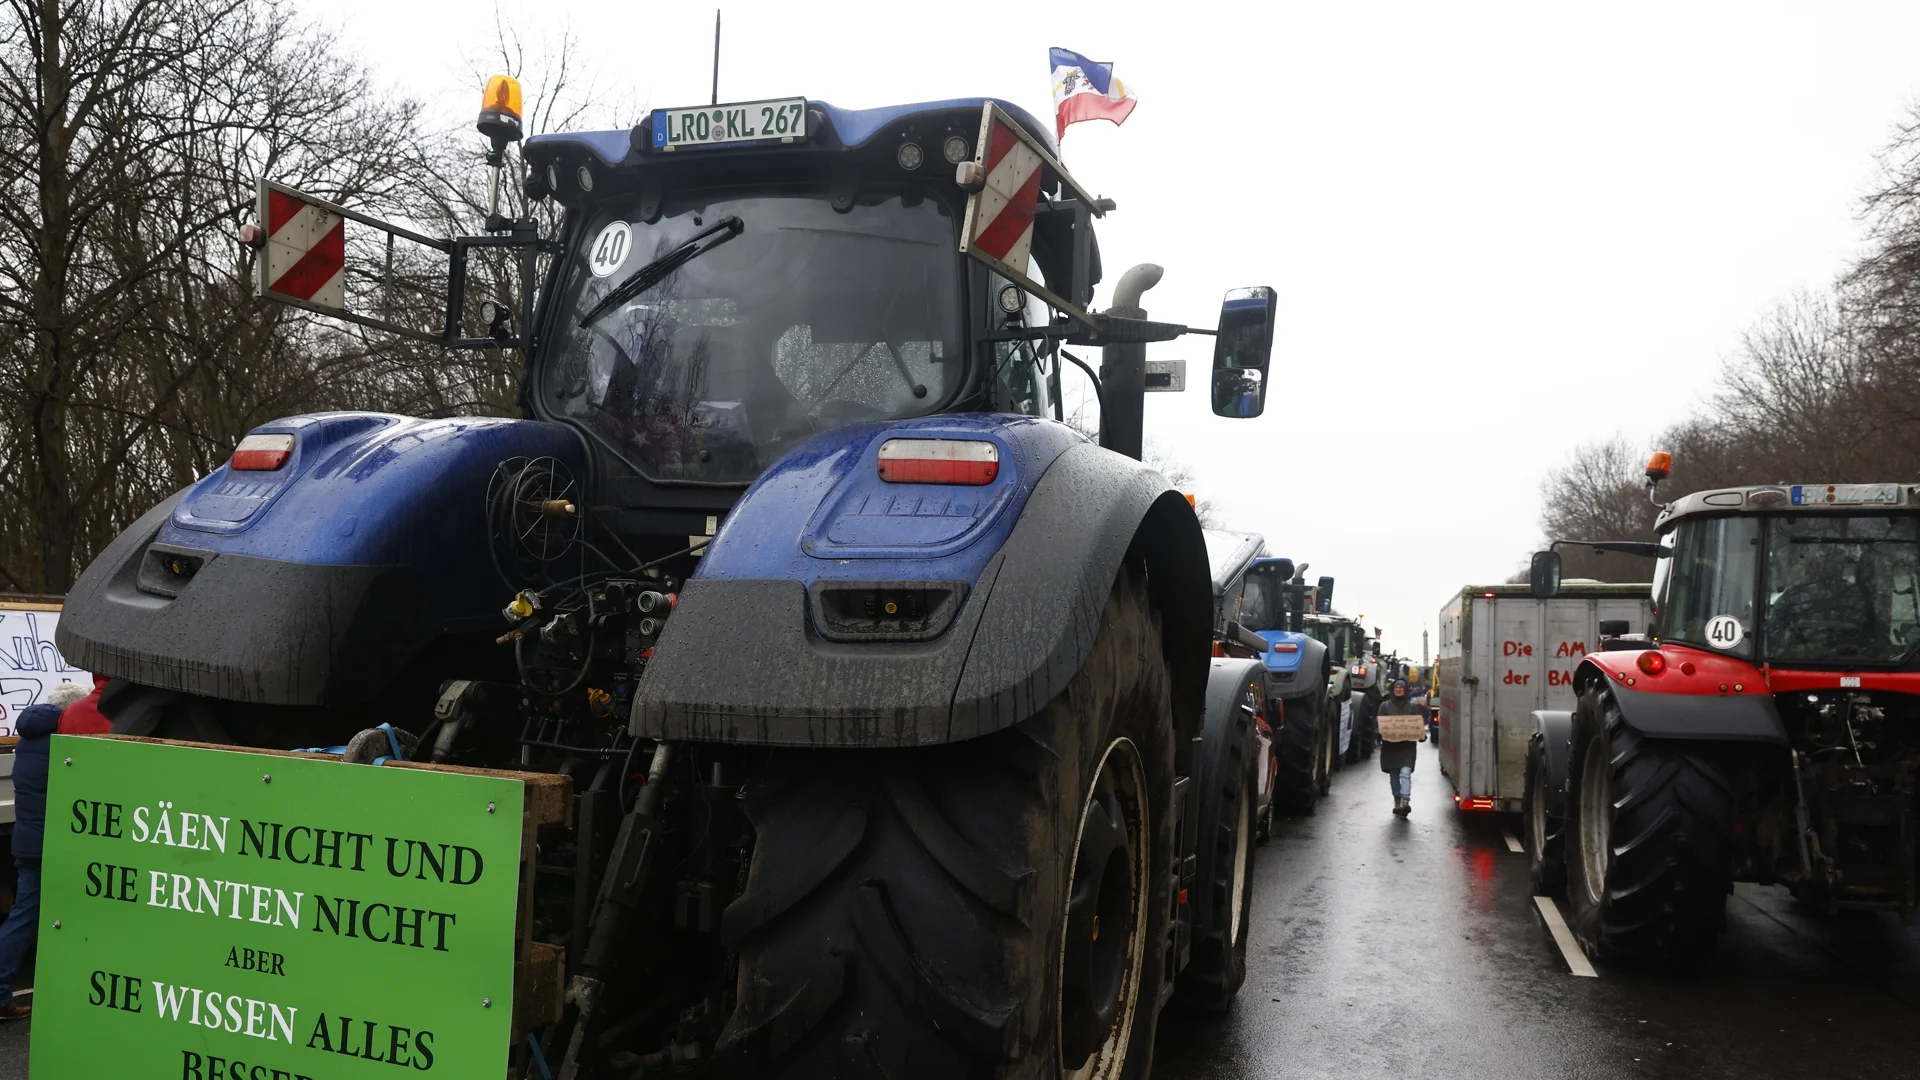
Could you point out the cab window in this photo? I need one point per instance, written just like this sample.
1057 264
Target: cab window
1026 373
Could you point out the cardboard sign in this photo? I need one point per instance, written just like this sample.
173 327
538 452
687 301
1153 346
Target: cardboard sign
209 913
30 663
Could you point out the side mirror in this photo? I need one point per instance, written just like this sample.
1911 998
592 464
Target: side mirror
1242 350
1544 574
1325 606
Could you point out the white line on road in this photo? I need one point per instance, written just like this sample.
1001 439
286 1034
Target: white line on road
1513 843
1563 937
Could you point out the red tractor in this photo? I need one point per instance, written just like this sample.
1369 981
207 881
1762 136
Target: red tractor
1767 728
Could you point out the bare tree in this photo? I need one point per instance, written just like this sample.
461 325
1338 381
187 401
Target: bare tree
130 346
1598 495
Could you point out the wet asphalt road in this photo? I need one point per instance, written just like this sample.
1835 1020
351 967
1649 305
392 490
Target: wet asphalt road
1381 948
1410 950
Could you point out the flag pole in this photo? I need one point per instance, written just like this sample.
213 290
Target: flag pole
716 56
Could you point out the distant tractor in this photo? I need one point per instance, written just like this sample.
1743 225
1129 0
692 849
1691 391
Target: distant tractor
1274 604
1768 731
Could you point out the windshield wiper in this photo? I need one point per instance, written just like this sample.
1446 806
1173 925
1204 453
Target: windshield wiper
658 270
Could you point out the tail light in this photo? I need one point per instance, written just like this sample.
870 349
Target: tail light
1476 803
261 453
1285 646
1652 662
939 461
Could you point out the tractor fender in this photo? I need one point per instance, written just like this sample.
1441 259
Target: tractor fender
315 583
1029 560
1297 674
1664 707
1554 728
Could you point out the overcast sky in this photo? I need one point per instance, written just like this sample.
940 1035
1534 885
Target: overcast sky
1497 230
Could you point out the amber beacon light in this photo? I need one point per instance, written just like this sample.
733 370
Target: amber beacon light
500 109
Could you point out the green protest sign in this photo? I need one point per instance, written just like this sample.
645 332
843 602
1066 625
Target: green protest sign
221 915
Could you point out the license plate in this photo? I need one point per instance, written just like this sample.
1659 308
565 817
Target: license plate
781 120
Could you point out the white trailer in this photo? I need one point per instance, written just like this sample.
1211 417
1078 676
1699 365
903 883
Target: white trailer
1504 654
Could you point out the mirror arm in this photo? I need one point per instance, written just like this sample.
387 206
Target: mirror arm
1641 548
1118 330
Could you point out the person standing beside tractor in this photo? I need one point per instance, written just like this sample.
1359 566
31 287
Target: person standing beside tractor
30 760
1402 729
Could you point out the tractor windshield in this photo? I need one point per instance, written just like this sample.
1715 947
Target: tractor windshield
1842 589
809 319
1263 600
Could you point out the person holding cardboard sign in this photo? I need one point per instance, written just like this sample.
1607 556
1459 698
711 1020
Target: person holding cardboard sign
1403 727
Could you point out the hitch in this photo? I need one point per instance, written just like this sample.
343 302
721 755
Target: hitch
620 889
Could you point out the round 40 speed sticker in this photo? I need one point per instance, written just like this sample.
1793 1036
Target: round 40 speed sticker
610 248
1725 632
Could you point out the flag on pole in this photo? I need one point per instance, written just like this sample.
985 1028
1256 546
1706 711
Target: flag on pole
1085 90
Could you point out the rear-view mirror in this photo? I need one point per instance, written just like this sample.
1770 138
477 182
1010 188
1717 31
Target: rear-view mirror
1544 575
1324 600
1242 350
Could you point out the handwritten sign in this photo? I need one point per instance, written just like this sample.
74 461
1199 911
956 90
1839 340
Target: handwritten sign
30 664
212 914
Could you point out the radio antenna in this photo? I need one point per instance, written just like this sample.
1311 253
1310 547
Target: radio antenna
716 56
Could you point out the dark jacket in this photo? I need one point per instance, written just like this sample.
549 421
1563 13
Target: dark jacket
35 726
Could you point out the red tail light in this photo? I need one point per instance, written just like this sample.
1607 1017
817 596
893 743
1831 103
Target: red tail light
1652 662
1474 803
1285 646
939 461
262 453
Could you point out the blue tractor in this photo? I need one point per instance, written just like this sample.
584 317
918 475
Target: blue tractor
884 694
1274 602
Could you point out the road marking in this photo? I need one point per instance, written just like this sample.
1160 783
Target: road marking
1563 937
1513 842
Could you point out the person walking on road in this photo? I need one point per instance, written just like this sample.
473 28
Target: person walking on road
35 726
1402 729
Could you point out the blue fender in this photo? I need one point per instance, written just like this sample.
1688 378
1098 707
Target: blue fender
315 583
1299 673
1011 579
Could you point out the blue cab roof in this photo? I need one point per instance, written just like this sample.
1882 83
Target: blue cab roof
853 126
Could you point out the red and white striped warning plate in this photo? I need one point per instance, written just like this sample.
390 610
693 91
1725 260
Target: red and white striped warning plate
1003 220
306 255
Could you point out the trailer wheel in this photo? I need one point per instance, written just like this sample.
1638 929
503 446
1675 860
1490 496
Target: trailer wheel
1649 829
1546 859
1227 788
1297 744
993 907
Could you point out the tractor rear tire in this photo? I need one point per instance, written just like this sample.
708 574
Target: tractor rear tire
1351 755
1542 831
137 709
1327 750
1649 841
1227 788
937 912
1297 745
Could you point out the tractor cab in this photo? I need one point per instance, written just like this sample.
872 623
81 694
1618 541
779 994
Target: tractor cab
729 281
1790 576
1798 576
